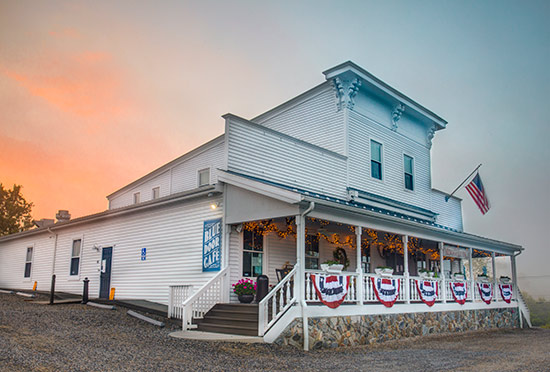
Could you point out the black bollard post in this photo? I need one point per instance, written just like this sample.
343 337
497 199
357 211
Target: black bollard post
52 289
85 291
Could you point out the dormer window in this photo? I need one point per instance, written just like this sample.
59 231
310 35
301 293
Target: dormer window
408 164
204 177
376 160
136 197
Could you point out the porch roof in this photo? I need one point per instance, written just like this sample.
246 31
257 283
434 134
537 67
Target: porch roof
390 220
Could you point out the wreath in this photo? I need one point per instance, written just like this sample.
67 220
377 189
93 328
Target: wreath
341 256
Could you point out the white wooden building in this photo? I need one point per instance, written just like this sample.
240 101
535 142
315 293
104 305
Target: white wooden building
344 165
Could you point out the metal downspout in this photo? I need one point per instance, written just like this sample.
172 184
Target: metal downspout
305 325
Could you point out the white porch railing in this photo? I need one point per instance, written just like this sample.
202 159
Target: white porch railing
176 296
523 306
370 296
311 294
277 301
204 299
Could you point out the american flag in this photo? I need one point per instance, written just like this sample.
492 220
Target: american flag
477 192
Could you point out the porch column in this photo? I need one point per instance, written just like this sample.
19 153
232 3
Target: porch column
359 269
472 280
495 282
406 269
225 262
514 277
300 257
443 278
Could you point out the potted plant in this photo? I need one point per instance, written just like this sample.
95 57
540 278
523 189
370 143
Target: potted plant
425 273
505 279
384 271
245 289
459 276
332 266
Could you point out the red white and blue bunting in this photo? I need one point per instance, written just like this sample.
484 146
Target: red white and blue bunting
506 292
331 290
386 290
459 291
486 292
428 290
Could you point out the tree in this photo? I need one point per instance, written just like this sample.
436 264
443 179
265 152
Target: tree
15 211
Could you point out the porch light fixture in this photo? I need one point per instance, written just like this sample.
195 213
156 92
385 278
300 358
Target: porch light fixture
214 206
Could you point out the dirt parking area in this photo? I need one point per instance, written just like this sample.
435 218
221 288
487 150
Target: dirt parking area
82 338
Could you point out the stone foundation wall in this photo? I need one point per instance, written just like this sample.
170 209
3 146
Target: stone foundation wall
367 329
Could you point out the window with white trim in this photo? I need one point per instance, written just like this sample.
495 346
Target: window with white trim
136 197
253 253
375 159
312 252
155 193
204 177
408 164
28 262
75 256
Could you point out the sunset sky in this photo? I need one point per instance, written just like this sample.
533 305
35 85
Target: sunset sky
96 94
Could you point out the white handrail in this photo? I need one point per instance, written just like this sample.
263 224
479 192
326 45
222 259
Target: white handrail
176 297
282 296
206 297
523 308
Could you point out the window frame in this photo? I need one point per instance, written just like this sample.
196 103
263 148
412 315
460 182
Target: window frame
411 174
312 257
157 188
381 162
77 275
262 252
199 171
137 197
28 278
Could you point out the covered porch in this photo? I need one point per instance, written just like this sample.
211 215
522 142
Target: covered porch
288 236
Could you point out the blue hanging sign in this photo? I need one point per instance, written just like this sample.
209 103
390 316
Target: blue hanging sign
211 245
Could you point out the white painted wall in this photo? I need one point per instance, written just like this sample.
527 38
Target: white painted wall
171 234
179 176
313 119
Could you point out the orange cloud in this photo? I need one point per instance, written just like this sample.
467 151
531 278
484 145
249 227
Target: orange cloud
87 85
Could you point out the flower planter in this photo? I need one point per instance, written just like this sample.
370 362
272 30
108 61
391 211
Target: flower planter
505 280
332 268
426 274
483 279
459 276
246 298
383 272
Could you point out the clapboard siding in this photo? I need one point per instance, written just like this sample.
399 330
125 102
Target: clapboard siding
179 176
450 212
171 234
276 157
184 175
314 119
12 258
145 191
394 146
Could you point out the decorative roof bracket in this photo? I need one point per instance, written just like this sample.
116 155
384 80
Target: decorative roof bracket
345 92
396 115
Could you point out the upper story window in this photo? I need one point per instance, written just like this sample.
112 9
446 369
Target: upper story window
155 193
75 256
136 197
28 262
408 165
376 160
204 177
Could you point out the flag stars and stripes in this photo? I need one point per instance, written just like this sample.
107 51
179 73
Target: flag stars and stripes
477 192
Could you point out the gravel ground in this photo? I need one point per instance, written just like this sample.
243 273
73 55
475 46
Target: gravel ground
82 338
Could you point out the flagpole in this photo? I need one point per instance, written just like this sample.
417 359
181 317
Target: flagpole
463 182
